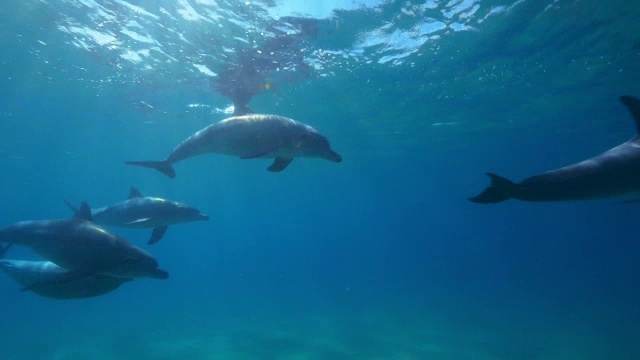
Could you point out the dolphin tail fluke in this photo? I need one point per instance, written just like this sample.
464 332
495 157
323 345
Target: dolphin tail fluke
163 166
500 189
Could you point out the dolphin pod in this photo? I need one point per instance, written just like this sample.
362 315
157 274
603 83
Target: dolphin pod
84 260
81 248
141 212
250 137
613 173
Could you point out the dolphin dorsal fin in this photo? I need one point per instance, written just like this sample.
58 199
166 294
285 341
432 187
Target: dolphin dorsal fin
633 105
84 213
134 193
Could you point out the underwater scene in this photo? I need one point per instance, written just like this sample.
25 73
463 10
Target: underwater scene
319 180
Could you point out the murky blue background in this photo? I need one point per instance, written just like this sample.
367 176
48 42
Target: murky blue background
378 257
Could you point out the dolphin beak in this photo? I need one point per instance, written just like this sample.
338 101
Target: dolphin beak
160 274
333 156
203 217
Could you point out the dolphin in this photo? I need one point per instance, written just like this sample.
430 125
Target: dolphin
141 212
613 173
249 137
83 248
41 277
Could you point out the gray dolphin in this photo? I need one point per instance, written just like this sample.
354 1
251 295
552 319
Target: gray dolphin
83 248
41 277
141 212
615 172
249 137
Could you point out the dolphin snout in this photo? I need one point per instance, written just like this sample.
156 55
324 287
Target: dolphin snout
203 217
160 274
333 156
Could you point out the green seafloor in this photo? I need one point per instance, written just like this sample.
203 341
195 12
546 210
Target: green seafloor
378 257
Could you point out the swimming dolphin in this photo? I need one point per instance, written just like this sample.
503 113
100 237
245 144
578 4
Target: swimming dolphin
142 212
615 172
249 137
41 277
82 248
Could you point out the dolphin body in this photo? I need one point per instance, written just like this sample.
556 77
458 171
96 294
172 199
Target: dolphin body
41 277
140 212
82 248
249 137
615 172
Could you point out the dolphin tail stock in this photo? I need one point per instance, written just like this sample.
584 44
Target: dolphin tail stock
499 190
163 166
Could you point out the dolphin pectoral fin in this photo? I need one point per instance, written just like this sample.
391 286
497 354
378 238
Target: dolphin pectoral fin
279 164
84 213
157 234
135 193
260 153
65 277
162 166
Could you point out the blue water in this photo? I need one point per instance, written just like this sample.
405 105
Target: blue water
378 257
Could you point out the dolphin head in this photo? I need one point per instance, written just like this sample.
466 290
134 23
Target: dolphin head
311 143
185 213
139 263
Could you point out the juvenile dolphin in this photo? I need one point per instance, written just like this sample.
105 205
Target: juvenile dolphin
140 212
249 137
615 172
41 277
82 248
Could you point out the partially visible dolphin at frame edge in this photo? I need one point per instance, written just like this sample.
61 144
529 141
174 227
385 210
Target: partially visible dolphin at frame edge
613 173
